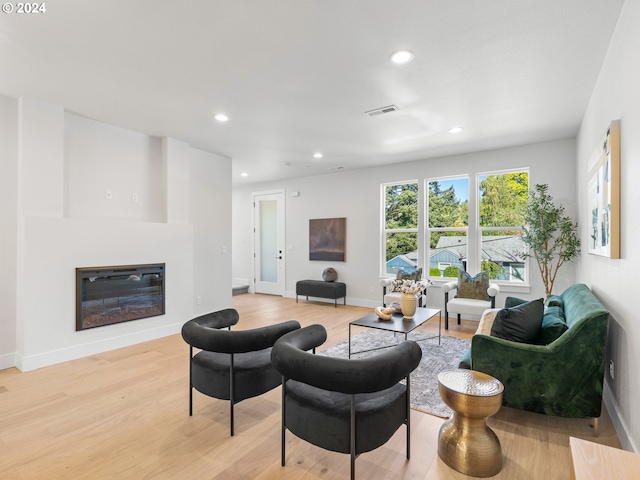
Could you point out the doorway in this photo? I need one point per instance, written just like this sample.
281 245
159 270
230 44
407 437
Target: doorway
269 242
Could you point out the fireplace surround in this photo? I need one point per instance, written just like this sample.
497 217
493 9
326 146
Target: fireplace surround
115 294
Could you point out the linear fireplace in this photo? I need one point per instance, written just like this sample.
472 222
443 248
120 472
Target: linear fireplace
108 295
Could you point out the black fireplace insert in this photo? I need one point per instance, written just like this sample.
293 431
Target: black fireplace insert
108 295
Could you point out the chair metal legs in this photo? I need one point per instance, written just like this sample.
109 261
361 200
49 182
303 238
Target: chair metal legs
190 381
283 424
232 399
352 434
408 420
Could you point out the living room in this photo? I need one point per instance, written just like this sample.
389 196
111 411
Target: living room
52 221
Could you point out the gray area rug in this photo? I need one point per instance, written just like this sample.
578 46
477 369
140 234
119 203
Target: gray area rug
425 395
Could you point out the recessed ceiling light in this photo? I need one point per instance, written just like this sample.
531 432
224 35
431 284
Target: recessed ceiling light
221 117
455 129
402 56
317 155
244 174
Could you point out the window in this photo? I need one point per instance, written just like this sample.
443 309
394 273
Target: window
473 226
448 224
503 199
400 227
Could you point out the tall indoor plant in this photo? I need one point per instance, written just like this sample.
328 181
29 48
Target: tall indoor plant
550 235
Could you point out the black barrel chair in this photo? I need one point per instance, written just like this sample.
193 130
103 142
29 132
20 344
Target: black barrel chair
344 405
232 365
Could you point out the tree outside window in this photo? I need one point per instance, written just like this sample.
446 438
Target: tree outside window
503 199
448 221
401 227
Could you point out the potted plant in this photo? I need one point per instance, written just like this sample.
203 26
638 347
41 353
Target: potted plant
550 235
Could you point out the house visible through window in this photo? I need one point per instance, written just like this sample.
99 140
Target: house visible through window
491 242
401 227
448 224
503 199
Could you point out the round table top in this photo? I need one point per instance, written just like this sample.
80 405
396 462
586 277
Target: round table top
470 382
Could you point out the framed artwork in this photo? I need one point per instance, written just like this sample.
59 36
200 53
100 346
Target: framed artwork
327 239
603 194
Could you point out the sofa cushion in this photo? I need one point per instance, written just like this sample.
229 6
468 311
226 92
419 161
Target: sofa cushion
521 323
553 325
473 287
555 301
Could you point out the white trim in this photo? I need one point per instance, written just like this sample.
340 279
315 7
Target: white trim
33 362
8 360
617 419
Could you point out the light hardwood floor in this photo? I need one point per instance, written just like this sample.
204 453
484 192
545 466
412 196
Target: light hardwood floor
124 415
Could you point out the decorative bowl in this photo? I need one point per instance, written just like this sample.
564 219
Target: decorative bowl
385 313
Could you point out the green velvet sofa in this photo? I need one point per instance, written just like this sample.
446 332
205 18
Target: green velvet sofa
560 376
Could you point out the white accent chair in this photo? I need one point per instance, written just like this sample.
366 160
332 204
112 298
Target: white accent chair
466 306
390 297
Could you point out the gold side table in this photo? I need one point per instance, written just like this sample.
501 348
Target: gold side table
465 442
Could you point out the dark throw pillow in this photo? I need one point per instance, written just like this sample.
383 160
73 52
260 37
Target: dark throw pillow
521 323
415 275
513 302
473 287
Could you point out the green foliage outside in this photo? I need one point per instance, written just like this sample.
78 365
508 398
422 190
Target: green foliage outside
503 202
401 211
445 210
451 272
493 269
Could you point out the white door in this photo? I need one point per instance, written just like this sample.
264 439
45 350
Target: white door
269 252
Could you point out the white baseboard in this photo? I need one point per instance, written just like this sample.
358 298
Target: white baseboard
356 302
33 362
616 418
8 360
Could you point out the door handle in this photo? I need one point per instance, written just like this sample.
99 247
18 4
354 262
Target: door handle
279 258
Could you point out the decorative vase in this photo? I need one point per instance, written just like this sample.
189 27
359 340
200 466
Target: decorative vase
408 304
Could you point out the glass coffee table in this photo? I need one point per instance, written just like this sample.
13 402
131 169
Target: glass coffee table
397 324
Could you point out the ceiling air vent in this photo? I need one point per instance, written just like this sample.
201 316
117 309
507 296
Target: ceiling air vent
380 111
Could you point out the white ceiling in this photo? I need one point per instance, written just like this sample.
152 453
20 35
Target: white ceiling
296 76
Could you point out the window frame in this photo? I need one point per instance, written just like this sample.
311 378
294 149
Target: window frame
383 224
480 229
429 230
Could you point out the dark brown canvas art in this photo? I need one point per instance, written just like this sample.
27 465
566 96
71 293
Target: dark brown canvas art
327 239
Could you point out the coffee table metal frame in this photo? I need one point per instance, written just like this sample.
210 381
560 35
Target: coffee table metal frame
397 324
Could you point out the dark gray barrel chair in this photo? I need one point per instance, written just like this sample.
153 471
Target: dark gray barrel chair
348 406
232 365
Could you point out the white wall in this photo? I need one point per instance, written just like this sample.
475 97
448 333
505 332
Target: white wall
210 215
617 96
356 196
100 157
8 226
58 167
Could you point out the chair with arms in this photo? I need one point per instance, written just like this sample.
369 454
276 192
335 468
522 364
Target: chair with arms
232 365
343 405
391 295
474 295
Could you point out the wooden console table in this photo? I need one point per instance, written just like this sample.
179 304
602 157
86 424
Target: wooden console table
592 461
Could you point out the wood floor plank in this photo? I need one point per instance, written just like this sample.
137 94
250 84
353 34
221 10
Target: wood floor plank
124 415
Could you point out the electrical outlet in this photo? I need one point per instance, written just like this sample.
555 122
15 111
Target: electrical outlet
198 300
108 195
611 370
134 197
